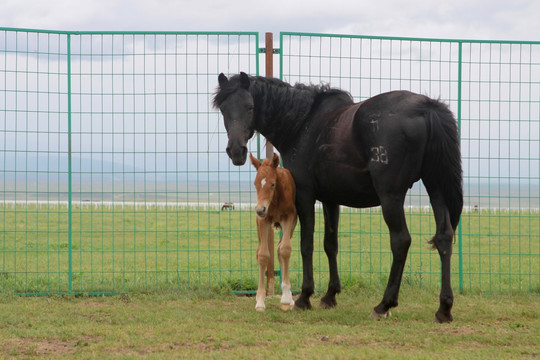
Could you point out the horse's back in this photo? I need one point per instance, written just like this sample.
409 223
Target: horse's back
377 143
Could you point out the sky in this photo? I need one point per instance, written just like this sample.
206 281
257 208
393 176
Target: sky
455 19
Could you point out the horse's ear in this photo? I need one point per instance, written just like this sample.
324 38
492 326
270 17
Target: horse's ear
222 80
244 80
275 160
256 163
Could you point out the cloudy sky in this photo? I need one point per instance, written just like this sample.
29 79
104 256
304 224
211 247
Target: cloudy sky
456 19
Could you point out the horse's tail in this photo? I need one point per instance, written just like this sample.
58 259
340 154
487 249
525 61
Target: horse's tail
441 169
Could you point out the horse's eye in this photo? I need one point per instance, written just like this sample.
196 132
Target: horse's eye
251 107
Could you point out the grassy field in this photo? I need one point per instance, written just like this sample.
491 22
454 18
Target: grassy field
172 273
213 325
145 249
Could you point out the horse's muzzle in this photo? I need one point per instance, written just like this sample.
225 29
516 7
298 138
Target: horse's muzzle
238 154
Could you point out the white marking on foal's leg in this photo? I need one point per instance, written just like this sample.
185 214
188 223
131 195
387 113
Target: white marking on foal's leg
287 301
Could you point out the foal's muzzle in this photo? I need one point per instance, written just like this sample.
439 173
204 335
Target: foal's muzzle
261 211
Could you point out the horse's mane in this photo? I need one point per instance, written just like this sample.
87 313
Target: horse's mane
285 104
291 105
297 101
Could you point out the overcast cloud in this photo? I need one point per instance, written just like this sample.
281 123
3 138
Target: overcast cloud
458 19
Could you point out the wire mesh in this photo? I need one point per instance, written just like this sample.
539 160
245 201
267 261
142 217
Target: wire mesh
114 173
113 164
493 88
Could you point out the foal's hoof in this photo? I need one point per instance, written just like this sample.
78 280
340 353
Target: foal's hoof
260 308
287 307
375 315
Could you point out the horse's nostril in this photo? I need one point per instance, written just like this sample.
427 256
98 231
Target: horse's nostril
228 150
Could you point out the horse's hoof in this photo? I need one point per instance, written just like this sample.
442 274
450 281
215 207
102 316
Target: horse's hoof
302 303
375 315
328 304
260 308
443 318
298 306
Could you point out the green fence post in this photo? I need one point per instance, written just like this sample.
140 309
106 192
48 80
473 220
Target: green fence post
460 234
70 185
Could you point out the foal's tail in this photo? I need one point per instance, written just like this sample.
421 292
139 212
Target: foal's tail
441 169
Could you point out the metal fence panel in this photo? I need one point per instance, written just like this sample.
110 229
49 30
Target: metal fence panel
113 163
493 88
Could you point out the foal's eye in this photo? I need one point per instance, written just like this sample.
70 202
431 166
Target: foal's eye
251 107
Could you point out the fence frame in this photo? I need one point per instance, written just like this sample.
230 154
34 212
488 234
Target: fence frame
459 79
256 53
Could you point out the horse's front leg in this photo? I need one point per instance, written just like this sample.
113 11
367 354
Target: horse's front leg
263 257
331 223
305 205
284 256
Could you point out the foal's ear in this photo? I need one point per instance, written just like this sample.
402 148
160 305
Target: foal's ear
244 80
275 160
256 163
222 80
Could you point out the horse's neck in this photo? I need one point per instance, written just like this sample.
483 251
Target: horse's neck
282 119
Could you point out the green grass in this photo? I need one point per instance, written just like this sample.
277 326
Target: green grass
148 249
174 271
217 325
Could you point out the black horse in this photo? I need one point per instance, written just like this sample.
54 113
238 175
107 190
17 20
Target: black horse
355 154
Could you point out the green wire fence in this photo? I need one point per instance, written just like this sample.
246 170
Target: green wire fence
113 167
115 179
493 88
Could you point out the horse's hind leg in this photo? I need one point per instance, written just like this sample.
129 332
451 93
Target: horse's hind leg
442 241
306 213
400 241
331 221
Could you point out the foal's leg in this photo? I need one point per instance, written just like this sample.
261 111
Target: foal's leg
270 268
305 205
263 257
331 222
442 241
400 241
284 256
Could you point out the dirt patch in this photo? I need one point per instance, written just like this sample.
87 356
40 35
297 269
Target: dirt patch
42 347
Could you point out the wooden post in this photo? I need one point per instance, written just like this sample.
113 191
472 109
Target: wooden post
269 52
